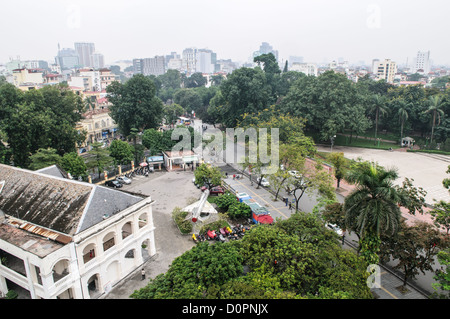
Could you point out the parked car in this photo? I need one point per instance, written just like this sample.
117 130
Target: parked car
114 184
294 173
264 181
215 190
334 228
123 180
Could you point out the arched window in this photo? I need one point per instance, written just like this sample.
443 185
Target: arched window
61 269
127 230
143 220
108 241
89 253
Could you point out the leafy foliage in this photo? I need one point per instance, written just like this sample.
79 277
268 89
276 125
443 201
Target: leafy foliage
135 104
239 210
121 152
294 258
39 119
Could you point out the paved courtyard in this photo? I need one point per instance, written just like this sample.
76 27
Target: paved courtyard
169 190
427 170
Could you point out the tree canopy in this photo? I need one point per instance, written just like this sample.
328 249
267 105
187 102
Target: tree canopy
135 104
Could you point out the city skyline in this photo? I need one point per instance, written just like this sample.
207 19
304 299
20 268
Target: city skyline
319 31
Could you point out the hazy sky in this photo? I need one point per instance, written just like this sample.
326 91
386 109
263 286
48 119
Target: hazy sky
315 29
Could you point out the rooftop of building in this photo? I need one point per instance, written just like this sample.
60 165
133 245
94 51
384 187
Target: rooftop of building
45 201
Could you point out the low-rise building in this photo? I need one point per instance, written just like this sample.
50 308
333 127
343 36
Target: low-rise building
27 76
106 78
306 68
61 238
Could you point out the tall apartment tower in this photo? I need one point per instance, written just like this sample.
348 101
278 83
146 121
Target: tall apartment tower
189 57
422 62
150 66
98 61
85 51
386 70
205 61
266 48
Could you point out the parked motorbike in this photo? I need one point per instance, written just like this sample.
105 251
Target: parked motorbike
194 238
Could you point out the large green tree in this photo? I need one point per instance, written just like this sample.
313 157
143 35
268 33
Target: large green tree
121 152
328 103
245 91
40 119
135 104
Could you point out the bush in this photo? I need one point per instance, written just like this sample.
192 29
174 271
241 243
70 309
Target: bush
239 210
185 226
11 294
225 201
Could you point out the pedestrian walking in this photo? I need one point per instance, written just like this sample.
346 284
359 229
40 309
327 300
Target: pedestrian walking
290 206
143 273
343 237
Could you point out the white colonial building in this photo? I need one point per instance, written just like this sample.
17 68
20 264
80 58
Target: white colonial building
61 238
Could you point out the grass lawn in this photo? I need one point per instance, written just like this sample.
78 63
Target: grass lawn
362 142
341 140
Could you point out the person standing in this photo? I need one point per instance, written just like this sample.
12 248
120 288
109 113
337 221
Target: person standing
143 273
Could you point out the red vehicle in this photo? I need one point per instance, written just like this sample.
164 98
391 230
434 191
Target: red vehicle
211 234
216 190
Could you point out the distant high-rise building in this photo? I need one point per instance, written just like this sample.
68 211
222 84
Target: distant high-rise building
204 61
137 66
295 59
172 55
98 61
386 70
154 66
422 62
375 63
67 59
150 66
85 51
189 57
266 48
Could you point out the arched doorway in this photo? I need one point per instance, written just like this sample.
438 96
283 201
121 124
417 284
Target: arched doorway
93 285
112 273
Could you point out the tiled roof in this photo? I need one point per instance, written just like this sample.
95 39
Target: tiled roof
56 203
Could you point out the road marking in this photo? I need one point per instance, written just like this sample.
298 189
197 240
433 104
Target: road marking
256 195
385 290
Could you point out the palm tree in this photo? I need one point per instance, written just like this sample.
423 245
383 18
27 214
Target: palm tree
379 106
403 115
373 205
435 105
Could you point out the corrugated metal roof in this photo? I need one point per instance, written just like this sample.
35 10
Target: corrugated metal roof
63 239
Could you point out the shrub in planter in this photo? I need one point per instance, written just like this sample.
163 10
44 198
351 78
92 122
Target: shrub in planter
239 210
185 226
225 201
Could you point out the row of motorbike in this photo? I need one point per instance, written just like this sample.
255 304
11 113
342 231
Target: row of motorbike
223 234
